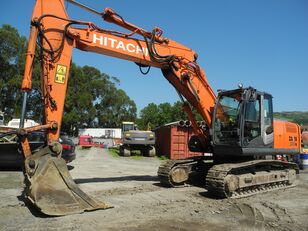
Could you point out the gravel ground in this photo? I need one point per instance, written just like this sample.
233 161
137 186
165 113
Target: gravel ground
140 203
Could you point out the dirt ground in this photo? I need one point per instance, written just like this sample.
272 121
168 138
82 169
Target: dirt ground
140 203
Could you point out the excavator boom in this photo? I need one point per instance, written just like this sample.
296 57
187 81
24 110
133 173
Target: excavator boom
57 36
49 185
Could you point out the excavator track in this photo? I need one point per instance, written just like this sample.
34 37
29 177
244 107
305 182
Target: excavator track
237 180
175 173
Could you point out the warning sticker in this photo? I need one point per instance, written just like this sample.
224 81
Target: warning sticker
60 74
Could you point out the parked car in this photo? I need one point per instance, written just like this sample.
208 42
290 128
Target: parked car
68 148
11 156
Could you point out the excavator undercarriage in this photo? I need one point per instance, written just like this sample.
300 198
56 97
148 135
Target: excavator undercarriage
231 180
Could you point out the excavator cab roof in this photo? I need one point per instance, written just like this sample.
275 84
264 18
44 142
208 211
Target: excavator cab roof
248 93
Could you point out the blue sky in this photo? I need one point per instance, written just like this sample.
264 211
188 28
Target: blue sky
260 43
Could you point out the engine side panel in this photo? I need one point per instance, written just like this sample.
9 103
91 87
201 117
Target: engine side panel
287 135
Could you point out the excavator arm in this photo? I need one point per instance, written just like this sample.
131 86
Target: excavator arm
49 185
57 35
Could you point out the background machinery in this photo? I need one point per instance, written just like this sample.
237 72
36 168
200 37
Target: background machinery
134 139
241 130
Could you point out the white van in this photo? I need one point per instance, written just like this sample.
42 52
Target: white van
14 123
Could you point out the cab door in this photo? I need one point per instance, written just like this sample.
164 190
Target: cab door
257 124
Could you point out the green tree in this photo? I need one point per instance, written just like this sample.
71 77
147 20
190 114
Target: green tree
149 115
158 115
12 61
12 50
177 112
92 97
93 100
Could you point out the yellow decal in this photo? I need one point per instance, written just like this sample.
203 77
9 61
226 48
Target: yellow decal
60 74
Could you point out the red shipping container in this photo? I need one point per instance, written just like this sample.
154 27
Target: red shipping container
172 142
305 138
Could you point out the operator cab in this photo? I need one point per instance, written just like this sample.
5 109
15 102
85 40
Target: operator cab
128 126
243 122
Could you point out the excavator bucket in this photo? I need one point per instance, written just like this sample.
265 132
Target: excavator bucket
51 189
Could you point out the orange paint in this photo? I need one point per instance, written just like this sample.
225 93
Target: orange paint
61 38
287 135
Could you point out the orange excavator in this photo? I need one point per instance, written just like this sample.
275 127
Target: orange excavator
241 133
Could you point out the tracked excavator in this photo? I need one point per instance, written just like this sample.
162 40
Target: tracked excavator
240 130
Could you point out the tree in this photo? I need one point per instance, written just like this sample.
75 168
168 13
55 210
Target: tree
149 115
94 101
12 61
158 115
92 97
177 112
12 50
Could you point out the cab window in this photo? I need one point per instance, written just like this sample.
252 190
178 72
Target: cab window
252 128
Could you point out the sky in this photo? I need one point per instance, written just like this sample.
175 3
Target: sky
259 43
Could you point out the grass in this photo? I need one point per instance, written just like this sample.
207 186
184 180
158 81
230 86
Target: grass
163 158
114 152
136 155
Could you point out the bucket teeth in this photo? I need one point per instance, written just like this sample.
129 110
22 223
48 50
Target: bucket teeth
50 187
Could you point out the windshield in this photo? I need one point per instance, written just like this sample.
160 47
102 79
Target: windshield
128 127
226 120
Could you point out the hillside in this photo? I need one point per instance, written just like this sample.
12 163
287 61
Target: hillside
297 117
